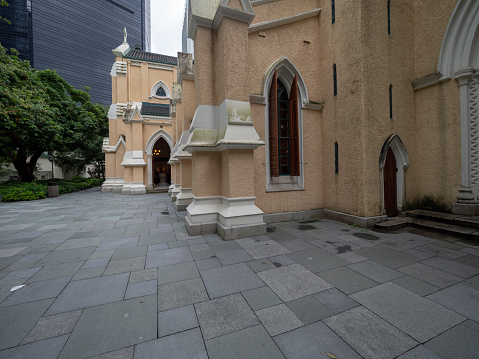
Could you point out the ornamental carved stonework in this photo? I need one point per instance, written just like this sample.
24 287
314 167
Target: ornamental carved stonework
474 127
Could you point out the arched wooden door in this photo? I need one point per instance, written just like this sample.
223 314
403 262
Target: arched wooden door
161 169
390 185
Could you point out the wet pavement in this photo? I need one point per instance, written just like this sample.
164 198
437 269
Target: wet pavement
102 275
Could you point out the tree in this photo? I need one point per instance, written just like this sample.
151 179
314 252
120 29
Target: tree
40 112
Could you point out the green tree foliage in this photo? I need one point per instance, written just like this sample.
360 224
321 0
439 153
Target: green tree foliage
4 3
40 112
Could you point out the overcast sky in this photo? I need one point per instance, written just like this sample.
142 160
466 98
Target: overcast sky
166 26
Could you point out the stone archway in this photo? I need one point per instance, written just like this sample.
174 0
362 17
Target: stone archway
158 150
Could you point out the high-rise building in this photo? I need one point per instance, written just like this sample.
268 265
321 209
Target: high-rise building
75 38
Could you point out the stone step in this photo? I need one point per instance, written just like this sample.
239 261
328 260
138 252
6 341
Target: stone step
157 190
453 219
393 224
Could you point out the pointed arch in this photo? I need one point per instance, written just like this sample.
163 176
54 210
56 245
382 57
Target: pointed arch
398 149
460 45
157 86
154 137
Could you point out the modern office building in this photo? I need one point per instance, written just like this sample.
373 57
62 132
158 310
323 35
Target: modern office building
75 37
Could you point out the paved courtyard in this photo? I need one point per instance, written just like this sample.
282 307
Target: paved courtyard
111 276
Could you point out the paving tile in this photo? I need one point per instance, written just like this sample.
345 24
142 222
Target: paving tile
143 275
405 241
472 282
176 320
17 320
233 257
419 254
208 254
92 263
23 273
53 326
66 256
177 272
260 265
317 260
232 346
415 285
157 247
346 280
335 300
36 291
416 316
44 349
178 244
260 298
419 352
141 289
90 292
224 315
313 341
453 267
430 275
293 281
458 342
179 294
281 261
265 249
198 247
278 319
79 243
309 309
222 246
125 353
123 253
118 242
352 257
231 279
297 245
442 251
156 238
57 271
112 326
387 256
335 245
167 257
459 298
187 344
10 252
89 273
125 265
102 254
375 271
380 340
207 263
470 260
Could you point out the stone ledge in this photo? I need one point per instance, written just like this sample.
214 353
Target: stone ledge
240 231
363 222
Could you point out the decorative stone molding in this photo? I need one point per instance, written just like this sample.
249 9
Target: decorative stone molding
113 184
428 80
314 106
120 108
106 148
260 2
156 87
259 99
162 67
135 63
119 68
284 21
186 68
184 199
133 188
133 159
176 93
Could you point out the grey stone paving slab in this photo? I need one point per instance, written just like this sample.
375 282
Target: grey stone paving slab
405 241
118 242
260 265
472 282
278 319
459 298
281 261
10 252
187 344
112 326
265 249
157 247
458 342
313 341
442 251
36 291
293 281
232 346
177 272
45 349
203 255
380 340
233 257
419 254
415 285
143 275
125 353
168 256
57 271
178 244
90 292
176 320
430 275
387 256
260 298
222 246
224 315
335 300
418 317
375 271
470 260
123 253
23 273
39 249
141 289
89 273
66 256
179 294
352 257
420 352
335 245
79 243
297 245
309 309
156 238
125 265
231 279
346 280
100 254
317 260
207 263
53 326
198 247
453 267
16 321
92 263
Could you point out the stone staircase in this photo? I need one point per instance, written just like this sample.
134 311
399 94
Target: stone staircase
447 223
157 190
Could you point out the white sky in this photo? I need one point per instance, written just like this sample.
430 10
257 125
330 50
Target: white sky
166 26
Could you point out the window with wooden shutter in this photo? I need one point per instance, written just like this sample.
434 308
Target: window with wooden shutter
273 127
293 110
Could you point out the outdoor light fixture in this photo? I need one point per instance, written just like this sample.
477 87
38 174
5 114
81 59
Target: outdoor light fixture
156 152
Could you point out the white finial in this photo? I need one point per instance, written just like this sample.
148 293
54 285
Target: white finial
125 34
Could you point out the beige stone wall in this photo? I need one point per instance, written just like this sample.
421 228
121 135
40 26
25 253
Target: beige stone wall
205 167
187 103
204 67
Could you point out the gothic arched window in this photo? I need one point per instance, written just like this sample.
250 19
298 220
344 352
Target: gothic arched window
161 92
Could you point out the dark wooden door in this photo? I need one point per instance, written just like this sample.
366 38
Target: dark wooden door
390 185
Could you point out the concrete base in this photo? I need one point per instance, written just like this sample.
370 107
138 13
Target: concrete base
184 199
172 186
235 232
363 222
292 216
133 188
197 229
113 184
465 209
175 192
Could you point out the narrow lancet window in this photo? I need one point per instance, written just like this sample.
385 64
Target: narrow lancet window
336 158
335 80
389 17
333 11
391 102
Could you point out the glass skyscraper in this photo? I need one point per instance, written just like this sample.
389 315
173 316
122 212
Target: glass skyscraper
76 37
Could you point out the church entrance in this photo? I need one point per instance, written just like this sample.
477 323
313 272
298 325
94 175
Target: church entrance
161 169
390 185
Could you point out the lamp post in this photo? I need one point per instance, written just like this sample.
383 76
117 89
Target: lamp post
51 158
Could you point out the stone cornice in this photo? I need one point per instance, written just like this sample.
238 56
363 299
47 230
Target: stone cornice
283 21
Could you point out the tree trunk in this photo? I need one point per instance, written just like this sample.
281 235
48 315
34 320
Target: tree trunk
25 169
